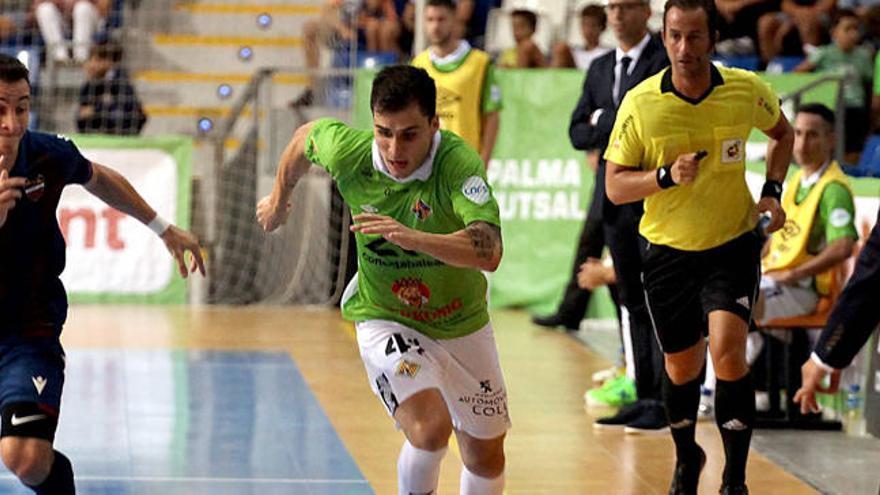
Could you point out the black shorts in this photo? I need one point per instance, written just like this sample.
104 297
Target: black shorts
683 287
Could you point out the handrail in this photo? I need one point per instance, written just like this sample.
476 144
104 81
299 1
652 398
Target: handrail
839 107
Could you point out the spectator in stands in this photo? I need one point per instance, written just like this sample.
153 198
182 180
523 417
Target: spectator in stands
526 54
471 17
380 25
819 232
108 103
334 26
593 23
809 18
845 56
736 19
85 17
468 95
15 17
406 10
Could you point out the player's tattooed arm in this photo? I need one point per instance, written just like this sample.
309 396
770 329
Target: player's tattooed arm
485 239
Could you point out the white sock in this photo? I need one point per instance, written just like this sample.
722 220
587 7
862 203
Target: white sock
709 382
418 471
49 20
471 484
626 334
85 23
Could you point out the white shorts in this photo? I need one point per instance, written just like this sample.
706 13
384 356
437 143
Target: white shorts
401 362
785 301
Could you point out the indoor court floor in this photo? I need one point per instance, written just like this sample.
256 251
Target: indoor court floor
274 400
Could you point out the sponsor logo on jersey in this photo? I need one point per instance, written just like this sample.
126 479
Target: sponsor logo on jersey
421 210
476 190
35 187
369 209
744 301
408 368
39 383
839 217
412 292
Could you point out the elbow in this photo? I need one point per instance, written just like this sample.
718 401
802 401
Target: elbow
614 194
491 263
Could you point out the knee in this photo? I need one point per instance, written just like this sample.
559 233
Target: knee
486 459
429 434
28 463
730 364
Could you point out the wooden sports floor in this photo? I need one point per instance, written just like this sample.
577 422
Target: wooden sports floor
237 400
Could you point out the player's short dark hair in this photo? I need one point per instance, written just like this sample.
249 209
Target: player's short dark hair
842 14
597 12
530 17
397 86
12 70
818 109
449 4
109 50
708 7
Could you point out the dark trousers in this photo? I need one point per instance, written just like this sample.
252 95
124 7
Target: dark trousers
575 300
621 232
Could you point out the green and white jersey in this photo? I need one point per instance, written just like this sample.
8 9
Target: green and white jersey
445 194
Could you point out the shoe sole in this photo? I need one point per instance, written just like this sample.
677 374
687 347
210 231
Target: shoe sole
629 430
605 427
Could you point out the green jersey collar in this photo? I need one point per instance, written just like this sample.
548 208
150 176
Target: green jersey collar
453 60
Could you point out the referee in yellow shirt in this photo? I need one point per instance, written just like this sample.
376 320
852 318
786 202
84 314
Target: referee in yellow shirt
679 142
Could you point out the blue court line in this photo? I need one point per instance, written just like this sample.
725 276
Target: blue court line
193 422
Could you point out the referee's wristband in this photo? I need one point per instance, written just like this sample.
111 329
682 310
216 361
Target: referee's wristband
664 177
158 225
772 189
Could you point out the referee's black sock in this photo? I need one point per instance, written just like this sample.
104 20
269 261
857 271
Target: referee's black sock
735 415
682 402
60 479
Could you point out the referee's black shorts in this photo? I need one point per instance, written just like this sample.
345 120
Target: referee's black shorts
683 287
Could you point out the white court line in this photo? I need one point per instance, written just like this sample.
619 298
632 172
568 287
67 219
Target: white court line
168 479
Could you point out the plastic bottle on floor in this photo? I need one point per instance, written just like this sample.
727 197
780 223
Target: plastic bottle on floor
854 420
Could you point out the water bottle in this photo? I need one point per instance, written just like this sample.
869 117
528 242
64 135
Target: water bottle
853 419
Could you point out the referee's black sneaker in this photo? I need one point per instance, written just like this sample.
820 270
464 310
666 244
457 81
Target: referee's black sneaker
734 490
557 320
687 475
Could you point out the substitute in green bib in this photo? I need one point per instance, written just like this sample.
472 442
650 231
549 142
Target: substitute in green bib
819 232
426 224
468 96
678 142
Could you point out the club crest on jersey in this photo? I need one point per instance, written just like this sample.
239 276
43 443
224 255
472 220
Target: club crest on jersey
35 187
421 209
412 292
732 151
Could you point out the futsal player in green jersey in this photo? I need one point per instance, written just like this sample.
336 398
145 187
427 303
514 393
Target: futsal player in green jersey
679 143
426 224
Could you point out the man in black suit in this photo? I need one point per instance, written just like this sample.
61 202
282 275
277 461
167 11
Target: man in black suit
638 56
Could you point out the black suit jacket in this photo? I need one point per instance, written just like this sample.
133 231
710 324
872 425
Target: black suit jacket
596 94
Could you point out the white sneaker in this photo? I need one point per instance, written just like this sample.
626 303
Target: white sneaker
602 376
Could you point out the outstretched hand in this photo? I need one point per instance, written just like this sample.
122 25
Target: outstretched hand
178 242
389 228
271 214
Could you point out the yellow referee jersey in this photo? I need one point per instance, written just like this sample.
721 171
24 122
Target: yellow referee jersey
655 124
